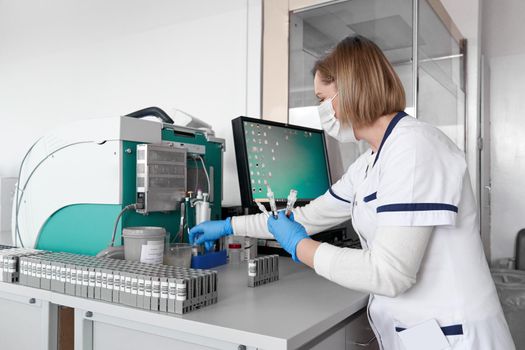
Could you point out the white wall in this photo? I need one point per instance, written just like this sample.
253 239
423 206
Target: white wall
7 189
507 108
504 49
64 60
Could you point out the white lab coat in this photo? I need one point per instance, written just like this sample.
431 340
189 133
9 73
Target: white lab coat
418 177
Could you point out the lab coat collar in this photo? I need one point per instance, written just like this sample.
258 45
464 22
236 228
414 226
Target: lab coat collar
388 131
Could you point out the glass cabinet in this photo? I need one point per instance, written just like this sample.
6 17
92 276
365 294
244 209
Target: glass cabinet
431 67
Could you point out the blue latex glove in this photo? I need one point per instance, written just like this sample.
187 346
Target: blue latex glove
209 231
287 232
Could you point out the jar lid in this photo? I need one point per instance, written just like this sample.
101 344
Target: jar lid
144 232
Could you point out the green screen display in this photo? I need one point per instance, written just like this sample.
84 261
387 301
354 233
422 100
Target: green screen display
285 158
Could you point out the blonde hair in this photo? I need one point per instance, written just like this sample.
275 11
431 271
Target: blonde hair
367 83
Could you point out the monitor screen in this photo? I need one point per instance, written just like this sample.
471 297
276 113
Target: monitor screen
282 156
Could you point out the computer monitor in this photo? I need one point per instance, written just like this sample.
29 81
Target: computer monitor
281 155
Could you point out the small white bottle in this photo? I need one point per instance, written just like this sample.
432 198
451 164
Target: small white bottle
202 208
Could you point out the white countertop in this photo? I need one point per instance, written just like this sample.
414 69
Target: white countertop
284 314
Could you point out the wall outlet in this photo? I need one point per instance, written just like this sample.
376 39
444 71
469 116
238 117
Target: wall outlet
7 191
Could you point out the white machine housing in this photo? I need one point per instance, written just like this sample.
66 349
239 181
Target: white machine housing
55 173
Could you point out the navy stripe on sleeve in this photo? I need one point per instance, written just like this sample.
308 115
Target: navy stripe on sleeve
370 197
416 207
336 196
456 329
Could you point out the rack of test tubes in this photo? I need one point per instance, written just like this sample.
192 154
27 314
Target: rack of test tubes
262 270
146 286
9 262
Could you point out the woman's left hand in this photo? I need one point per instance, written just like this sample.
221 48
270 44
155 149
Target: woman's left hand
287 232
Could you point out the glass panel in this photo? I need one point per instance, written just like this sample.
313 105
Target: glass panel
313 32
441 97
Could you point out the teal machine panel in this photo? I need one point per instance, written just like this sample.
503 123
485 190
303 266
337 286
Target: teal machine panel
87 228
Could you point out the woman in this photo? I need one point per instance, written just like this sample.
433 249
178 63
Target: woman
412 205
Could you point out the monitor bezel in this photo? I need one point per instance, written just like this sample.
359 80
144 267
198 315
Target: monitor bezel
241 156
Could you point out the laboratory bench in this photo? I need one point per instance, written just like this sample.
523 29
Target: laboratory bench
299 311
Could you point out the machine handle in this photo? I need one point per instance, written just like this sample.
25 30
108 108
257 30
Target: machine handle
151 111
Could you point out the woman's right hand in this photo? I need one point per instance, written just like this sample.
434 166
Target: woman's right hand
209 231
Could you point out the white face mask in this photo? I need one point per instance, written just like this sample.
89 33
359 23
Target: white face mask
331 125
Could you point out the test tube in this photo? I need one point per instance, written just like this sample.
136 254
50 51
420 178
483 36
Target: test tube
271 197
292 197
262 209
